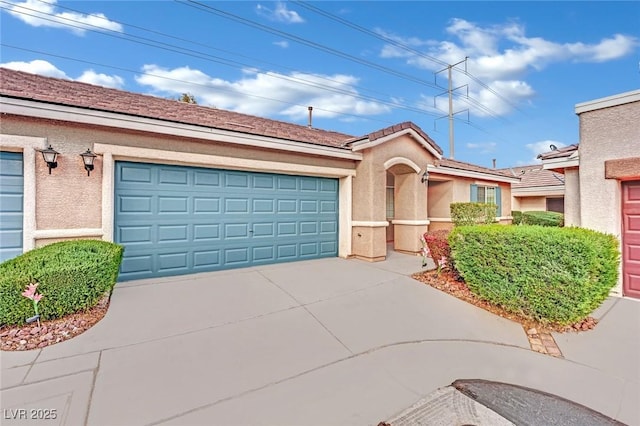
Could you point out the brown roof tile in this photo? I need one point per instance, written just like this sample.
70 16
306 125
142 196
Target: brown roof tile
23 85
567 151
535 176
400 127
461 165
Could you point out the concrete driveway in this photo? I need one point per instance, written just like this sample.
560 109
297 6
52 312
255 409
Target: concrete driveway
323 342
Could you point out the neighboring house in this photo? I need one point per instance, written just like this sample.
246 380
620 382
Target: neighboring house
186 188
602 177
538 189
452 181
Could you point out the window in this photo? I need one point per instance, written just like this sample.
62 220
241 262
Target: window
487 194
390 197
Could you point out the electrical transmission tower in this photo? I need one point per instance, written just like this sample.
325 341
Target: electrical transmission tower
449 91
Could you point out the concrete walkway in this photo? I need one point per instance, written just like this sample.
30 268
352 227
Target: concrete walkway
323 342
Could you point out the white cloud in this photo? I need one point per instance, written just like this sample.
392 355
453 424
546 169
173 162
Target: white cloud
300 89
41 67
280 13
36 66
45 14
500 56
284 44
541 147
99 79
484 147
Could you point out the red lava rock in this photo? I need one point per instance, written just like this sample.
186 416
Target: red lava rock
53 331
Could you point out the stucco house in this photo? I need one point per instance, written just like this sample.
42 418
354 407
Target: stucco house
186 188
538 190
602 177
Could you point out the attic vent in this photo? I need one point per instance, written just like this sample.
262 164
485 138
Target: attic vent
232 123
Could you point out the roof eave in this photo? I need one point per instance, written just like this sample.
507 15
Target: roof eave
45 110
471 174
366 143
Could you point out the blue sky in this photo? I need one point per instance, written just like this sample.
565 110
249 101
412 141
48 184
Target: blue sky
362 65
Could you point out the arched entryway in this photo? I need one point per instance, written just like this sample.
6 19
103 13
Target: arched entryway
409 204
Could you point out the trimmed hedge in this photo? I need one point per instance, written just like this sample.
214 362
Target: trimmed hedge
464 214
542 218
72 276
553 275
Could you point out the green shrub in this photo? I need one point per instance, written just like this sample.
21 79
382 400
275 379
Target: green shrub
517 217
464 214
553 275
72 276
543 218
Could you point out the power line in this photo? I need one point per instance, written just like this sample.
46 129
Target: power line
189 82
280 66
404 47
228 15
212 58
230 63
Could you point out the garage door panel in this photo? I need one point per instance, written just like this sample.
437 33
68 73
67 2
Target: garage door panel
194 219
11 204
264 182
173 177
138 174
206 232
310 249
206 259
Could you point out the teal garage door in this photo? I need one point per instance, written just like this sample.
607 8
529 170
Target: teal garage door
11 202
177 220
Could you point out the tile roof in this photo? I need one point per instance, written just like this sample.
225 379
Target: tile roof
400 127
535 176
567 151
461 165
18 84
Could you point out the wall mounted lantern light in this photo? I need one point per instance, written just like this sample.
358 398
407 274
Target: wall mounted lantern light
87 159
425 176
50 156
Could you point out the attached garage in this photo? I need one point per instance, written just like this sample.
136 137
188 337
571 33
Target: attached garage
176 219
11 204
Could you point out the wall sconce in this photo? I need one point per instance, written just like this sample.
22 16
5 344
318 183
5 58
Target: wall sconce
50 156
425 176
87 159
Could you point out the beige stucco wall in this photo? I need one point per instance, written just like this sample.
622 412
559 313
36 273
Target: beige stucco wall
400 156
440 197
605 134
458 190
572 197
69 204
529 203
